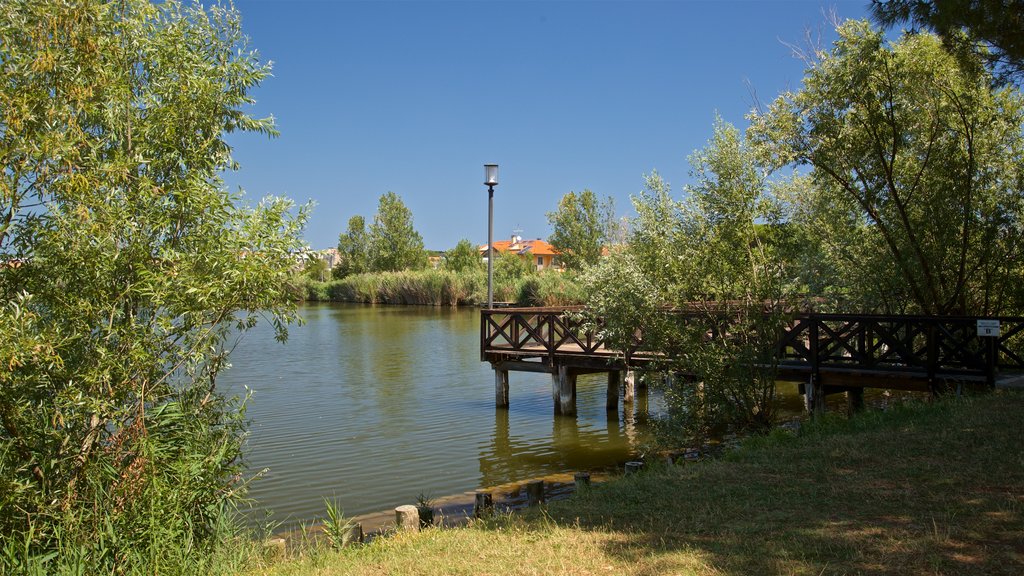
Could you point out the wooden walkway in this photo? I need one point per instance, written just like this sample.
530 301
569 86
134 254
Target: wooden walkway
826 353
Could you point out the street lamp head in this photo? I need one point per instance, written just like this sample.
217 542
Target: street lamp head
490 174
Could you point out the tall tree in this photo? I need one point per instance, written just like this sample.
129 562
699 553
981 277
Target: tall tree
464 257
353 249
992 29
581 228
125 269
916 163
394 243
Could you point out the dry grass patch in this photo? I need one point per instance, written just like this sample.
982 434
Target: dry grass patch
935 489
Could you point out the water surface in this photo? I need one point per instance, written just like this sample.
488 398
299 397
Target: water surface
372 406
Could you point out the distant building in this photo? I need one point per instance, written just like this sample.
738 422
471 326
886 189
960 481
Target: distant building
541 254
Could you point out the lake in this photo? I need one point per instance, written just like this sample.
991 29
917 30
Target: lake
371 406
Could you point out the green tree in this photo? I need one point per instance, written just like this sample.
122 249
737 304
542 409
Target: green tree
126 270
464 257
353 249
713 257
989 28
916 166
581 228
509 268
394 243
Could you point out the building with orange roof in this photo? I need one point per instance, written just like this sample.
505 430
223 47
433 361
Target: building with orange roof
541 254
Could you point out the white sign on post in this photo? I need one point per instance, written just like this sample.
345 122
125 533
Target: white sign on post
988 328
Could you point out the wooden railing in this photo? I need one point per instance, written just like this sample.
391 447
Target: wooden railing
932 345
541 332
925 345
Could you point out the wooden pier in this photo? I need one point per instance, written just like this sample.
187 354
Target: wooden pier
825 353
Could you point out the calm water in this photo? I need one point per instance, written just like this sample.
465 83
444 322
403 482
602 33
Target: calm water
373 405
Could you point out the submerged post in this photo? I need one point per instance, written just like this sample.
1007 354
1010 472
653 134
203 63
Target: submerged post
612 402
500 388
566 391
630 392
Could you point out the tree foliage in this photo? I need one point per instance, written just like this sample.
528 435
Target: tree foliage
353 249
991 29
394 242
582 228
126 267
916 172
464 257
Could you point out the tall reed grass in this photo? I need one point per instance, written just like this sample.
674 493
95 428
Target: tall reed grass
442 288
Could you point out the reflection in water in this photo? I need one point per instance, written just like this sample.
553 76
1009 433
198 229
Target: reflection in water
576 442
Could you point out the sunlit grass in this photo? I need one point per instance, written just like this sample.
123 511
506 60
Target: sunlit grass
929 489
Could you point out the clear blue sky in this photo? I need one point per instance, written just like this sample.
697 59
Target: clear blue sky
414 97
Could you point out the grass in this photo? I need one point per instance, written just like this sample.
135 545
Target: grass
925 489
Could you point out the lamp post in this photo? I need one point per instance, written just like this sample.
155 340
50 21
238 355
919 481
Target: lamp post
490 180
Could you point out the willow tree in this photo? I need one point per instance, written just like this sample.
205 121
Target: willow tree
916 168
125 268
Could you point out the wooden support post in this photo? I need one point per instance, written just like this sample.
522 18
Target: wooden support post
556 388
407 518
582 481
854 401
612 403
814 395
534 493
566 391
484 504
630 382
500 388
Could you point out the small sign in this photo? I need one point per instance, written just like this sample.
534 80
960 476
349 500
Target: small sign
988 328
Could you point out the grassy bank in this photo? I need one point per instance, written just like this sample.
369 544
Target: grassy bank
925 489
441 288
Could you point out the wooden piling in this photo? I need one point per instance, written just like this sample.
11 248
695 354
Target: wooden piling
814 396
500 388
535 493
407 518
483 504
855 400
582 480
612 402
634 467
566 391
630 381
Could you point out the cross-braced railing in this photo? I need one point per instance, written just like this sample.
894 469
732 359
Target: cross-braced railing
933 345
925 345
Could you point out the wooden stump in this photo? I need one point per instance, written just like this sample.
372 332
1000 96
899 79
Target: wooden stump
634 467
535 493
582 481
484 504
277 548
407 518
